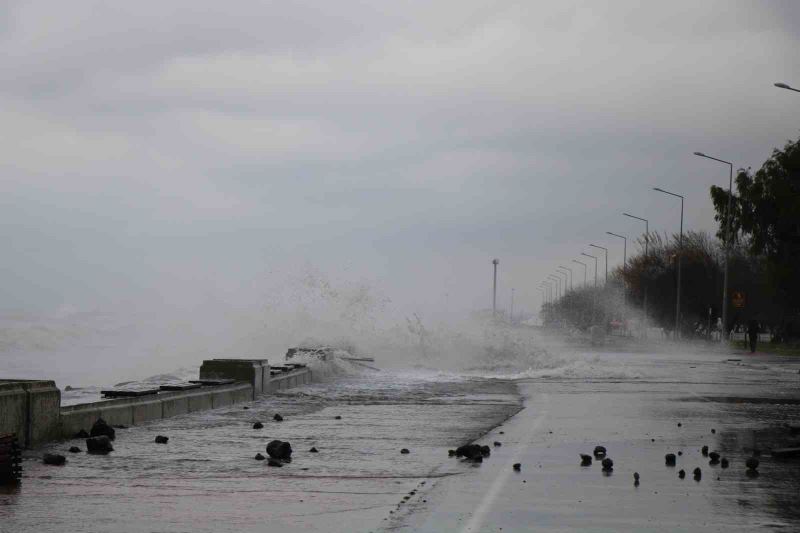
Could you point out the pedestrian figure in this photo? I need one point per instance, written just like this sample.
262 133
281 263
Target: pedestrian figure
752 334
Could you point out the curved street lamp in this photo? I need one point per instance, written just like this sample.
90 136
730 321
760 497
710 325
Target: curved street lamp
780 85
724 331
680 261
606 262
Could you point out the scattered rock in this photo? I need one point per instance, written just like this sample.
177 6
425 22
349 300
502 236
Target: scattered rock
714 456
497 444
704 451
245 408
101 428
652 440
679 424
313 450
277 418
274 462
99 445
697 474
451 453
54 459
81 435
337 417
608 465
724 463
258 425
404 451
670 459
161 439
502 432
636 479
681 473
713 431
752 463
586 460
259 457
486 451
279 449
470 451
74 449
599 451
517 467
680 453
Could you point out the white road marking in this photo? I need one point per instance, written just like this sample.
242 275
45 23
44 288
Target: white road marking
479 515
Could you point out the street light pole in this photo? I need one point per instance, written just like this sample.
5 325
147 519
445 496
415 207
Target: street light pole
584 269
624 274
511 313
558 285
594 296
567 269
780 85
680 261
495 262
606 261
724 332
646 255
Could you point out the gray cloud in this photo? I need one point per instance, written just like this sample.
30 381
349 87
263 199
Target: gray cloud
406 142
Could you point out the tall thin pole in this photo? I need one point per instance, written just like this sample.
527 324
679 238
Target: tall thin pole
495 262
567 269
511 314
584 269
624 273
680 261
594 296
606 259
646 255
723 334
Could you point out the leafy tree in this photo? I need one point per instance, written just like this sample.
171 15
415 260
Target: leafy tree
766 213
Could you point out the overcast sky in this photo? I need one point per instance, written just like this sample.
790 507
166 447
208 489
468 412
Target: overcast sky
160 149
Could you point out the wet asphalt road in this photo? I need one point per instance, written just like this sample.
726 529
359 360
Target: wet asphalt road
730 406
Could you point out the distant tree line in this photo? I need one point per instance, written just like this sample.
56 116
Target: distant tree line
764 265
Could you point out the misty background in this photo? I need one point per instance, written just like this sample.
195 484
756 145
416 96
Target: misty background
223 179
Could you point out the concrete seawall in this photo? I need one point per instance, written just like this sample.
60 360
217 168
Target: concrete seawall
32 409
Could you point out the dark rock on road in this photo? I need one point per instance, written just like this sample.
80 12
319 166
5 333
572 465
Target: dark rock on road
752 463
99 445
161 439
101 428
54 459
670 459
586 460
608 465
681 473
279 449
517 467
405 451
258 425
259 457
74 449
277 418
599 451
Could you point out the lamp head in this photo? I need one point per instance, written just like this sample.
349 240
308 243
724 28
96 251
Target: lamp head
701 154
780 85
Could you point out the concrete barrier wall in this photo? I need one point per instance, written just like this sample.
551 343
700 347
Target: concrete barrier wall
134 411
30 409
289 380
